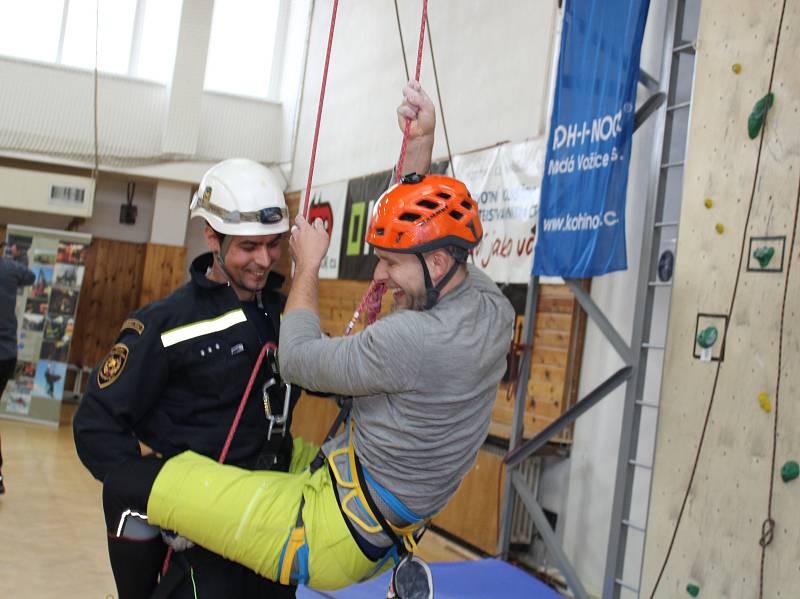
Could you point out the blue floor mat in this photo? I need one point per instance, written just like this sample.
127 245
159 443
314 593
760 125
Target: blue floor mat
482 579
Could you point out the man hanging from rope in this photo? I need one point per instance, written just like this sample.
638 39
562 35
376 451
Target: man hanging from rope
423 382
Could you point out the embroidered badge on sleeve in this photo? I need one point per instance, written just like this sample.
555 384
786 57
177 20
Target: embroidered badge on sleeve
112 366
134 325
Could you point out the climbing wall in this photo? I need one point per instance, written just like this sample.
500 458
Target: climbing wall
723 523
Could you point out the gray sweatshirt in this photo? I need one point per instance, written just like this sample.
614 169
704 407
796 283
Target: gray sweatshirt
424 384
12 276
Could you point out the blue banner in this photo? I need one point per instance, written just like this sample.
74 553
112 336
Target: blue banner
581 230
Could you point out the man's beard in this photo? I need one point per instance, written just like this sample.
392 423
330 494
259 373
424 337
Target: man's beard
417 302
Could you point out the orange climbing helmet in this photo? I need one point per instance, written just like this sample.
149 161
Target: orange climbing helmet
424 213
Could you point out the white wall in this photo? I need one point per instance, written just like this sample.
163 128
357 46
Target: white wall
493 63
170 213
110 195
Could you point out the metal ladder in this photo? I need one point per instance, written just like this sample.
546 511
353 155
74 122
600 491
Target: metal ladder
652 299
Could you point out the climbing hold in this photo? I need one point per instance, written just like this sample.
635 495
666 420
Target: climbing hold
709 202
763 399
790 471
720 228
693 589
759 115
666 264
764 254
707 337
736 68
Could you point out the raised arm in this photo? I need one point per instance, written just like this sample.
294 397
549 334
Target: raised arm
418 107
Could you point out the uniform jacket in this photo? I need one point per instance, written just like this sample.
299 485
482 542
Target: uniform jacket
175 377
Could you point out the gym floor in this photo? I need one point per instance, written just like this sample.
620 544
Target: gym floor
52 538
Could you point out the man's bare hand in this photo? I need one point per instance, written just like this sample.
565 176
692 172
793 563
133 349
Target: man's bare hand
417 107
308 243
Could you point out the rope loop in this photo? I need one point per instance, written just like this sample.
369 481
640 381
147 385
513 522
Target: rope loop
767 530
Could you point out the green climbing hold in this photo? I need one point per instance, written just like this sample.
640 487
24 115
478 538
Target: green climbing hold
764 254
790 471
707 337
693 590
759 114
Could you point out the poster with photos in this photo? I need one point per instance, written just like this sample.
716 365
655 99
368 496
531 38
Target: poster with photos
20 388
46 312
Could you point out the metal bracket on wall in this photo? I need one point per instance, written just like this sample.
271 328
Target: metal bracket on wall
518 451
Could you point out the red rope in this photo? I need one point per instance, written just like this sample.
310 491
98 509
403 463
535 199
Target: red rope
407 128
224 453
370 306
319 110
374 293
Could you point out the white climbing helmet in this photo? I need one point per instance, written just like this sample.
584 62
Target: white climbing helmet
241 197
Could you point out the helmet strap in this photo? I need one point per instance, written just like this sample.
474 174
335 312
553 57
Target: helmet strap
224 245
221 262
432 291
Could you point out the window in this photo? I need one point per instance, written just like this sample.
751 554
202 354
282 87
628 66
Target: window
159 41
242 46
137 38
31 29
114 30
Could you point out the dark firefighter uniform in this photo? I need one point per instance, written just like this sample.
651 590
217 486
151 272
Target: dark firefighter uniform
174 380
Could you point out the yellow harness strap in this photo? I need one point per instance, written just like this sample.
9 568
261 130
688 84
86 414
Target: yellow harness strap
405 532
296 540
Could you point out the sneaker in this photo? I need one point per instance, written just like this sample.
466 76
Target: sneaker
411 579
2 486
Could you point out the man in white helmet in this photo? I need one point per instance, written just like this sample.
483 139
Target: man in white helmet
180 365
176 375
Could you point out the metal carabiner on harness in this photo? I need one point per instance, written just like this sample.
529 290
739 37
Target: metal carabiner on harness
277 422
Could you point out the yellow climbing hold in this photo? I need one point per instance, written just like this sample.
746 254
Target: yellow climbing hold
763 400
736 68
709 202
720 228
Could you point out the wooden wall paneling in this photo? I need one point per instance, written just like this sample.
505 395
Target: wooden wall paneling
110 290
472 513
555 366
163 271
577 337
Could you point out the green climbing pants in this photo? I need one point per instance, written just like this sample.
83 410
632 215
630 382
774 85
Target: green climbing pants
252 518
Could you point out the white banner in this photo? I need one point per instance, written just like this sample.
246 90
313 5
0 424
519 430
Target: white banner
327 202
505 182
